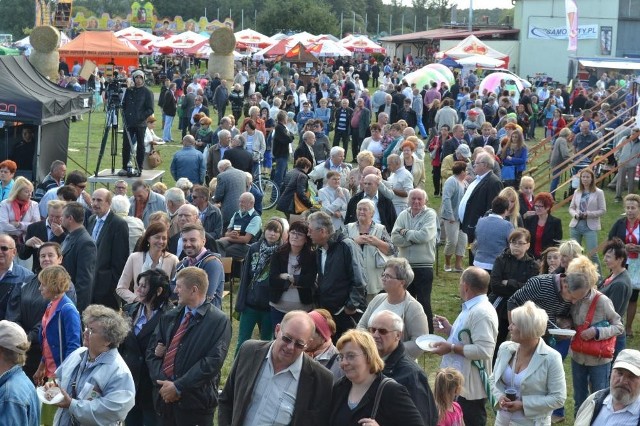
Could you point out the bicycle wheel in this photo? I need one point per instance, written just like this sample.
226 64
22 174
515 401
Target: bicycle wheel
271 193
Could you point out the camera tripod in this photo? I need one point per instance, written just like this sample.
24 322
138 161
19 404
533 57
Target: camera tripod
111 126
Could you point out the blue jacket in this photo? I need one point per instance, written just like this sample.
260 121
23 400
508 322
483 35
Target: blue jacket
189 163
67 316
519 160
19 402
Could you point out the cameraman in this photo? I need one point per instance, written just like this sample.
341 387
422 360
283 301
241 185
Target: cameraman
137 105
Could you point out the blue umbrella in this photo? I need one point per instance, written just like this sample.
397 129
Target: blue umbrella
450 63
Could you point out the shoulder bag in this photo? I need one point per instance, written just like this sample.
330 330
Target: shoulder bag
376 401
598 348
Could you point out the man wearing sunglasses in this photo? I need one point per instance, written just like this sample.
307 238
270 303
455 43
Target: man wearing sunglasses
11 274
274 383
386 328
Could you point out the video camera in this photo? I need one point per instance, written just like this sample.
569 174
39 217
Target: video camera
114 91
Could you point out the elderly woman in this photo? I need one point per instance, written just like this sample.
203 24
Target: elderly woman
492 234
253 296
7 172
412 163
511 270
617 286
374 241
396 278
150 253
559 155
120 205
352 402
96 383
295 188
254 143
320 347
528 378
334 199
292 274
627 228
364 158
18 211
587 207
452 193
545 229
591 373
374 143
204 135
153 292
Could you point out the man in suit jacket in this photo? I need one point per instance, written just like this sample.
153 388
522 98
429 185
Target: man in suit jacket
144 201
185 373
111 235
79 253
188 213
198 107
479 195
232 183
305 148
240 158
307 386
485 138
210 215
43 231
385 211
390 108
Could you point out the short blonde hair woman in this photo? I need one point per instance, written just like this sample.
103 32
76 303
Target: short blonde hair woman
18 211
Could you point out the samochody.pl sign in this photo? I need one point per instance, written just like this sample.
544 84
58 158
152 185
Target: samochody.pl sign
585 32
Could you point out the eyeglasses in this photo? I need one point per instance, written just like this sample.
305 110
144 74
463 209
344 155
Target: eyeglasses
381 331
296 234
88 330
387 277
349 357
296 343
6 248
518 243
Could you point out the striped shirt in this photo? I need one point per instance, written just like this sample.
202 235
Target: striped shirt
544 291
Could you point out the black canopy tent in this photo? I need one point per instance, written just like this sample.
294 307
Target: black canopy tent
27 97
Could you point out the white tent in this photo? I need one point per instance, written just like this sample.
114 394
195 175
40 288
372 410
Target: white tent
479 61
327 48
26 42
473 46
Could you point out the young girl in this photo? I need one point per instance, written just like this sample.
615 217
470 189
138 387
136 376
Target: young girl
549 260
448 386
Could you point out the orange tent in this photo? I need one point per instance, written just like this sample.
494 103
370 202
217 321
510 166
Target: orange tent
101 47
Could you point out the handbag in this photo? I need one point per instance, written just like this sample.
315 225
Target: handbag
598 348
154 159
376 401
298 205
508 173
381 259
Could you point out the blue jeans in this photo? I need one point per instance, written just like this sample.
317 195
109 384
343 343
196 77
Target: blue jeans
562 347
554 183
281 170
587 380
621 343
421 128
166 131
591 240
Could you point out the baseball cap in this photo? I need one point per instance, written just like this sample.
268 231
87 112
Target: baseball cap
629 359
464 150
137 73
13 337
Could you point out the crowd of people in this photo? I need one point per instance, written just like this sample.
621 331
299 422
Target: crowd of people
115 297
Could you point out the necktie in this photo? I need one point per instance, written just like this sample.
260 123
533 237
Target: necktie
170 356
96 229
50 234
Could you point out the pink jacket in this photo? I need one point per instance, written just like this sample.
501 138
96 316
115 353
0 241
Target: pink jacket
596 207
7 215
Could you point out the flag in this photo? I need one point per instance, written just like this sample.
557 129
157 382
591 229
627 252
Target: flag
571 9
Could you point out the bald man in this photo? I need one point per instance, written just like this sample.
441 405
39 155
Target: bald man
111 236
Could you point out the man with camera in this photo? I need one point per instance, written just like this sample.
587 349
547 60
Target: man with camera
137 105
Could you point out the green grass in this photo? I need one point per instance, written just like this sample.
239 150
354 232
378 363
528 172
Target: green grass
445 299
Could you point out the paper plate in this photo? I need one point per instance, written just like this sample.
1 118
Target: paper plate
426 342
40 391
562 332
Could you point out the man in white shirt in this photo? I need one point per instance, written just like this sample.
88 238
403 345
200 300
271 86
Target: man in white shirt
619 404
401 181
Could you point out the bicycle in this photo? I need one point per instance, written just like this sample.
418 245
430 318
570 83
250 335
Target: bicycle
270 191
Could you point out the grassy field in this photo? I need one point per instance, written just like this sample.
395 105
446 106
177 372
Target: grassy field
445 299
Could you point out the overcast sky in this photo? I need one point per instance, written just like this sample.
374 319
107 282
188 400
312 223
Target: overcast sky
484 4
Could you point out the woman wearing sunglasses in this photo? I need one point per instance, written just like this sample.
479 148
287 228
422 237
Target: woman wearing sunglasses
396 277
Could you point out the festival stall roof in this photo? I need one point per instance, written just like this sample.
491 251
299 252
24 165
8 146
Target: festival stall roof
136 35
28 97
611 63
278 49
327 48
447 34
361 44
100 47
253 38
178 43
472 46
299 53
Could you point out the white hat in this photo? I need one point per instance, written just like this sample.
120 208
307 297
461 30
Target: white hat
137 73
629 359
